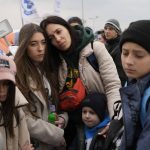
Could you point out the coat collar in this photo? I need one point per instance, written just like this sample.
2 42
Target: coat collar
86 51
20 100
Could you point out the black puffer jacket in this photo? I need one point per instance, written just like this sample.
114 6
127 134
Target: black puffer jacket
97 142
113 48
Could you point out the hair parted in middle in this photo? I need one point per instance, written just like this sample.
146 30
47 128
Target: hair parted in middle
26 68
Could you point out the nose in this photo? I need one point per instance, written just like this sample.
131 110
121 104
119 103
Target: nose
41 47
87 115
57 38
129 60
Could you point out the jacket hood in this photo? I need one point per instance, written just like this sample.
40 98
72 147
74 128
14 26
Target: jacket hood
85 35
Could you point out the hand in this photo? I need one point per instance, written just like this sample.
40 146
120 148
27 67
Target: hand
104 131
60 122
28 146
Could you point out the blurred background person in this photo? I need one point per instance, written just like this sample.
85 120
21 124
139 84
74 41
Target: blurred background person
75 21
100 36
112 33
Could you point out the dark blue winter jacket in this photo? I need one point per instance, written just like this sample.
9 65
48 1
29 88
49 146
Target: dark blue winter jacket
135 137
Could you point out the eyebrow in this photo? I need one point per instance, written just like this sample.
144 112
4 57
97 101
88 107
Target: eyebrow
38 40
54 32
134 50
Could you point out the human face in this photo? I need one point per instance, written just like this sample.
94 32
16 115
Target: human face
135 60
109 32
59 36
89 117
36 47
4 85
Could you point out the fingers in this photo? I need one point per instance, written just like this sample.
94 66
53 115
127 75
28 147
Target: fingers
27 146
104 131
60 122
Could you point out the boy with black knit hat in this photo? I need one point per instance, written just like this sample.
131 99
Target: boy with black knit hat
135 48
94 117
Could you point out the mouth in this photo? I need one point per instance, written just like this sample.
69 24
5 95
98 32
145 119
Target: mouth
129 70
87 121
41 55
62 44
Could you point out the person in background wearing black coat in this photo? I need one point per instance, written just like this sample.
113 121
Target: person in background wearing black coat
112 33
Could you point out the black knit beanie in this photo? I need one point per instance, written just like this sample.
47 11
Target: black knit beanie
96 101
137 32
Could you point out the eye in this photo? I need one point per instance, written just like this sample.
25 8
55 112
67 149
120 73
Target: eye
125 53
139 56
84 111
58 32
33 44
44 42
92 112
105 28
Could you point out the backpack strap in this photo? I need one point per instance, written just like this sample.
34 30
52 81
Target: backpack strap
93 61
145 107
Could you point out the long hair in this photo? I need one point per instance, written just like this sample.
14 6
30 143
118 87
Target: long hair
8 112
52 49
26 67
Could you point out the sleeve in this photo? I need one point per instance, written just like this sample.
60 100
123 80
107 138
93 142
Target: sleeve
109 75
23 136
44 131
2 138
143 141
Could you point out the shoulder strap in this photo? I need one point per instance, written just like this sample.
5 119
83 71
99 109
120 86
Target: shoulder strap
145 107
93 61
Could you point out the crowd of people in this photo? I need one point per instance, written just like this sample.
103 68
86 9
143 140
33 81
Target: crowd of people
64 90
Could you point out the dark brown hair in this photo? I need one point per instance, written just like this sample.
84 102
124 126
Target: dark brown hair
75 20
8 110
26 68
